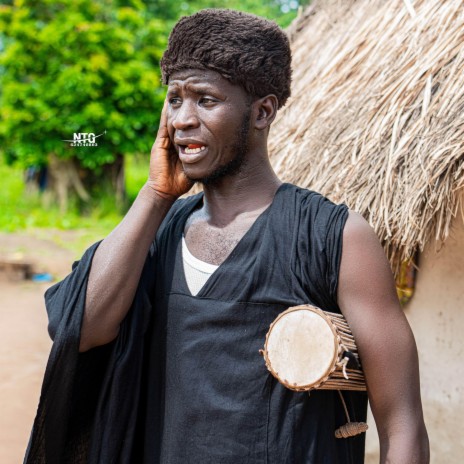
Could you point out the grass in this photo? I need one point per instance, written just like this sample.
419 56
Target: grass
136 169
27 211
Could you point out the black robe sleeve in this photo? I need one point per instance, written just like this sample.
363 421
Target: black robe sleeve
87 411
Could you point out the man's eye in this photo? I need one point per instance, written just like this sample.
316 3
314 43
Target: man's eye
207 100
174 100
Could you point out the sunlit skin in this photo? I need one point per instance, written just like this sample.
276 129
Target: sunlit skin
202 106
204 109
207 111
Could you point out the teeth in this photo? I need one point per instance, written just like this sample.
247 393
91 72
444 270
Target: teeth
193 150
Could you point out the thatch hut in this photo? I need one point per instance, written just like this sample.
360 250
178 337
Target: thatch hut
376 121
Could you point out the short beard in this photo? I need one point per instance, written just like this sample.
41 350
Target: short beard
236 164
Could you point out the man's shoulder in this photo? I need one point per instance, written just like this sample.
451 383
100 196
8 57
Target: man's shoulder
315 202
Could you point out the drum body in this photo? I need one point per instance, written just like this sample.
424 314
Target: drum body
307 348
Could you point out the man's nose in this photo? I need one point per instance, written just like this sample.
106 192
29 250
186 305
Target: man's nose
185 117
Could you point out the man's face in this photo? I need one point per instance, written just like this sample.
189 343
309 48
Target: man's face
209 122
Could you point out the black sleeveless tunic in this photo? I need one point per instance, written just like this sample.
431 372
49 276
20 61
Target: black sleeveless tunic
207 395
183 382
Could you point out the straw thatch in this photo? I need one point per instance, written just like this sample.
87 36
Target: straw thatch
376 118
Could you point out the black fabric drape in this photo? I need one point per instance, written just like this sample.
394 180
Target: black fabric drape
88 404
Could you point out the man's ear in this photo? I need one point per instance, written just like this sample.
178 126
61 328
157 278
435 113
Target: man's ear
265 109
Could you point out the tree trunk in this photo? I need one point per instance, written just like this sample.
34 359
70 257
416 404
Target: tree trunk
65 179
118 180
109 179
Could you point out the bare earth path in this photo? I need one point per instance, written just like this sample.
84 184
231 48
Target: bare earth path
24 341
24 348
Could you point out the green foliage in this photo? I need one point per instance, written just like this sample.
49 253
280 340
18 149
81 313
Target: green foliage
136 169
86 66
23 209
90 66
78 66
281 11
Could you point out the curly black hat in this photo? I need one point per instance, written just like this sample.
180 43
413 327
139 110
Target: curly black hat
245 49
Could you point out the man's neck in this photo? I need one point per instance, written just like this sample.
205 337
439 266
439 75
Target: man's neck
250 191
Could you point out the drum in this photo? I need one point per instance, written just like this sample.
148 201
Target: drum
307 348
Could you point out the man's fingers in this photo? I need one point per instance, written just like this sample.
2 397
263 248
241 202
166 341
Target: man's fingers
163 126
164 115
162 141
162 138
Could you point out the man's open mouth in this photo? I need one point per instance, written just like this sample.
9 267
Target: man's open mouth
192 148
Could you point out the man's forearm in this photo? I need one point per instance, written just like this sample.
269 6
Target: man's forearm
117 266
408 447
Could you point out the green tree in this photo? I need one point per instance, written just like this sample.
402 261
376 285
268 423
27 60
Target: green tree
90 66
281 11
79 66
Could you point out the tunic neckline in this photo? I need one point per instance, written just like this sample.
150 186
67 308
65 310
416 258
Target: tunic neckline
215 276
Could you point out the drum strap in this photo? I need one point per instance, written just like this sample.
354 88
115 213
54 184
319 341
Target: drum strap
350 429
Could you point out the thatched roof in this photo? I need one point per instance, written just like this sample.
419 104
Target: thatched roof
376 119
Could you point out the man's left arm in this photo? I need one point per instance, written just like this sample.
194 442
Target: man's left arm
367 298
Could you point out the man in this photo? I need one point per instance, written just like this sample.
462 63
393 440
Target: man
155 356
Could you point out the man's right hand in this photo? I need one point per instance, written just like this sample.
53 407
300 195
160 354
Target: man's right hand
166 177
119 259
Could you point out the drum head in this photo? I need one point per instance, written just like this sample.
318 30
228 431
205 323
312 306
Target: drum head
301 347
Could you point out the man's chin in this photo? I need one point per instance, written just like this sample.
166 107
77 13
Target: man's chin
216 176
205 180
198 177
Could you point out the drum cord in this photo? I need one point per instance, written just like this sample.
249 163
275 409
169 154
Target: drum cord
350 429
343 364
349 361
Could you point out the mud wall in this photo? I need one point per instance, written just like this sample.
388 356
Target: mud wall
436 315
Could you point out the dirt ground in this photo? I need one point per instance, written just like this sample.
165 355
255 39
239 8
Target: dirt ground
24 341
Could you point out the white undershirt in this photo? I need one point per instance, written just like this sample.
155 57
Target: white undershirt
196 271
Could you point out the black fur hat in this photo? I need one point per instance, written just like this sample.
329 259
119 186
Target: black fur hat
245 49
